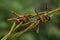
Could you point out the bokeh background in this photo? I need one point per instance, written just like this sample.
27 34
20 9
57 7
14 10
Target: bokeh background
48 31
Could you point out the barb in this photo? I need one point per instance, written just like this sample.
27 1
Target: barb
46 5
40 17
19 16
13 19
37 29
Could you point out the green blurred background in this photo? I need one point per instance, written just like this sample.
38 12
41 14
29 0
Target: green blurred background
48 31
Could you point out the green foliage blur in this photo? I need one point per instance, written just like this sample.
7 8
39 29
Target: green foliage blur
48 31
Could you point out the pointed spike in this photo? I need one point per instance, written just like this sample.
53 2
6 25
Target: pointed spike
15 14
46 8
37 29
14 19
36 11
46 5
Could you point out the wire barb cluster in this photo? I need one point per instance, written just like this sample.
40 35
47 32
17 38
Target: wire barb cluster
23 20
